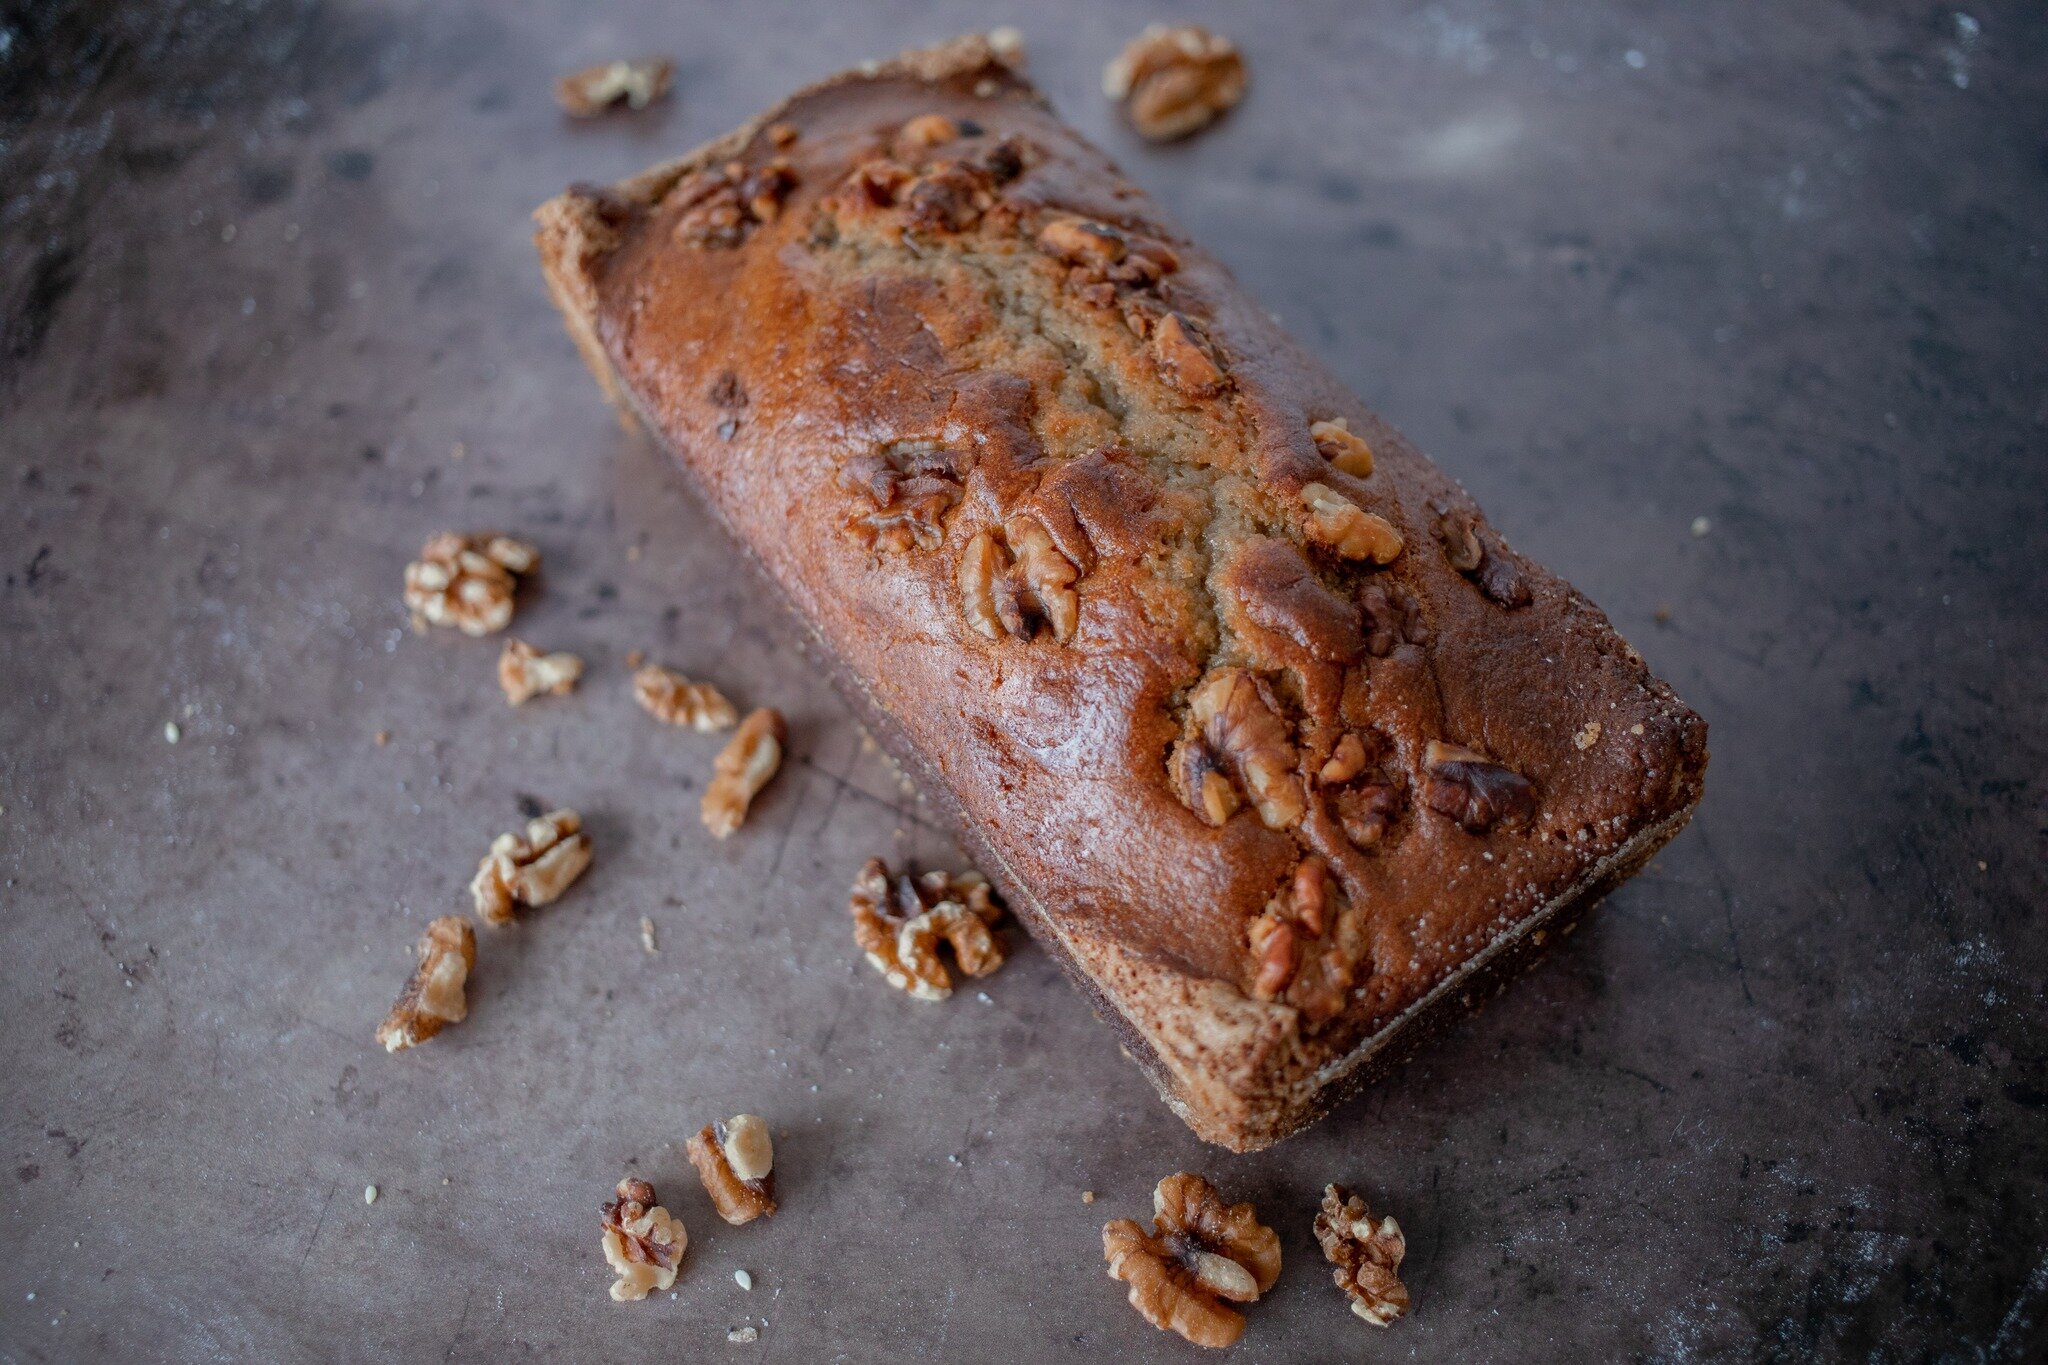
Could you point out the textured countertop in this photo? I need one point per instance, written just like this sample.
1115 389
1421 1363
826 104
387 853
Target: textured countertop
1731 314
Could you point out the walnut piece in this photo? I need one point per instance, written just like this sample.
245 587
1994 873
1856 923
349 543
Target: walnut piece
908 487
1345 452
1174 80
434 995
669 696
735 1158
467 582
591 91
1466 550
525 673
1018 580
1237 731
742 768
1475 791
1104 262
720 205
1182 360
900 921
1338 522
1199 1253
1367 1253
1366 796
1306 945
643 1242
531 869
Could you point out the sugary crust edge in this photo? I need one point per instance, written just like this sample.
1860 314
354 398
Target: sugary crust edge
1217 1059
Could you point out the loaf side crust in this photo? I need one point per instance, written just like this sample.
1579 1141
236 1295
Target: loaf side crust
830 331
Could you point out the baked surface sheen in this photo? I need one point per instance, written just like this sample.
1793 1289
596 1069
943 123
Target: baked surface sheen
1040 479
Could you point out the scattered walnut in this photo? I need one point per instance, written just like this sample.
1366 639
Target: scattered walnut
525 673
643 1242
1199 1253
1306 945
1344 451
1239 731
1475 791
1016 582
720 205
434 995
735 1159
908 487
467 581
591 91
742 768
669 696
1367 1255
1466 550
1182 361
1336 521
900 921
1175 80
531 869
925 131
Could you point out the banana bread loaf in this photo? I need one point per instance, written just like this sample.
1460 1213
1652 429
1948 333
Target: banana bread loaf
1260 728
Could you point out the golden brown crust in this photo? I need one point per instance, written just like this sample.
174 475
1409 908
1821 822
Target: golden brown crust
1049 492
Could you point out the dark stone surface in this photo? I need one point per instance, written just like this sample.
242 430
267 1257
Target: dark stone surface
264 266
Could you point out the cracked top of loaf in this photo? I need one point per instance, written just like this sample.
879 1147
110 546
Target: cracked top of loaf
1255 718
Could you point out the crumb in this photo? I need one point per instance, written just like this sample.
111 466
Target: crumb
172 734
647 935
1087 1196
1663 614
632 552
369 1194
743 1279
591 91
381 738
1700 526
458 451
739 1335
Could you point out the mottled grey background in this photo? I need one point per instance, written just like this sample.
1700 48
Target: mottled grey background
264 266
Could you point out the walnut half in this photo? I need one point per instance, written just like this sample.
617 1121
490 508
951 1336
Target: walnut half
1200 1256
742 768
434 996
1474 790
1367 1254
467 582
1238 731
1174 80
525 673
1017 581
735 1158
900 921
669 696
531 869
643 1242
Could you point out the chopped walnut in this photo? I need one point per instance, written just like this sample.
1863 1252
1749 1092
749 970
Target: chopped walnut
900 921
1475 791
1392 614
1366 797
1199 1253
1466 550
467 582
1367 1254
742 768
1105 262
669 696
1239 731
735 1158
926 131
1345 452
643 1242
720 205
1174 80
1587 737
1182 360
908 487
1018 581
1306 945
1336 521
531 869
434 996
525 673
591 91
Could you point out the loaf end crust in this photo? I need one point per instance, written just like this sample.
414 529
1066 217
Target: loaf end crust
1043 484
